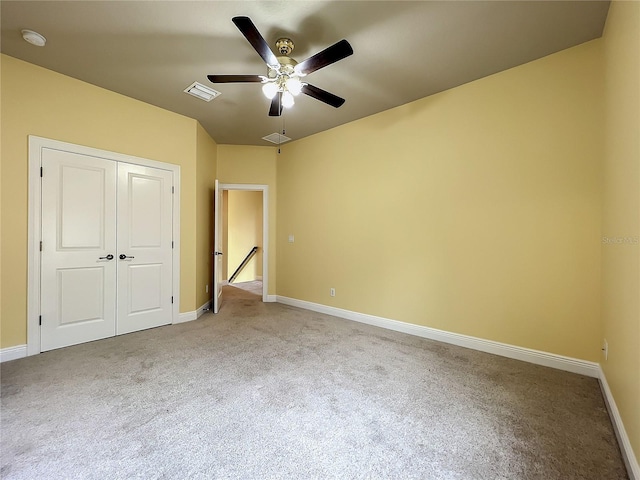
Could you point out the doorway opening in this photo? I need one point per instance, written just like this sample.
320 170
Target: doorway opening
241 256
242 240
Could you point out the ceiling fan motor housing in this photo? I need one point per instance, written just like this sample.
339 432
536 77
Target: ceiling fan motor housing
285 46
287 65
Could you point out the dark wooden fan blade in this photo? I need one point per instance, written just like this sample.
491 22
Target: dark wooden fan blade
329 55
234 78
322 95
251 33
276 105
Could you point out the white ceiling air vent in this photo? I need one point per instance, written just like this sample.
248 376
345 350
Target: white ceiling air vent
276 138
201 91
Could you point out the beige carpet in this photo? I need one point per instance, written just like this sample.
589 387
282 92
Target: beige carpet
254 286
269 391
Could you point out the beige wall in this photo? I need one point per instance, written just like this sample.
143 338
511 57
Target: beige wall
36 101
621 213
206 166
475 211
244 231
253 165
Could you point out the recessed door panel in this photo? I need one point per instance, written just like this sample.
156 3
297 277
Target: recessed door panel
146 288
78 280
80 295
82 209
146 207
144 247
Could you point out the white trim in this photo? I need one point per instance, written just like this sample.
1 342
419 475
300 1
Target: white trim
186 317
629 457
193 315
33 239
272 298
583 367
36 145
176 242
203 309
265 226
13 353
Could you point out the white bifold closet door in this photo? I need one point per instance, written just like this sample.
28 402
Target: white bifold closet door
106 248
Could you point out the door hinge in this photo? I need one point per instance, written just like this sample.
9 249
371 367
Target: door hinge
172 244
172 299
40 320
173 190
41 171
40 245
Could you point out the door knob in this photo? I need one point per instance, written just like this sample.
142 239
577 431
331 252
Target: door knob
123 256
108 257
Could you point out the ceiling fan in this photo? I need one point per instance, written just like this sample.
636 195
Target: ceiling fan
284 78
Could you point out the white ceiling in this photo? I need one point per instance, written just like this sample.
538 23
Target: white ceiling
153 50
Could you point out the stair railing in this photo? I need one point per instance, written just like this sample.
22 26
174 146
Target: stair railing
243 264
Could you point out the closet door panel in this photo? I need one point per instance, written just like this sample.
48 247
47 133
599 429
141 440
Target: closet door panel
144 247
78 282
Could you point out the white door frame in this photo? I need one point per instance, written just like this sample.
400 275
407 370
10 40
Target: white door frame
36 145
265 227
217 248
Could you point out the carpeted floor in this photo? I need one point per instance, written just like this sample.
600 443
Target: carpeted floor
269 391
254 286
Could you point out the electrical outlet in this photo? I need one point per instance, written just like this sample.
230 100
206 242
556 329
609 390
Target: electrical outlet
332 292
605 349
206 289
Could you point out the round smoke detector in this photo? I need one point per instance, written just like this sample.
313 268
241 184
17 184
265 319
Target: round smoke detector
34 38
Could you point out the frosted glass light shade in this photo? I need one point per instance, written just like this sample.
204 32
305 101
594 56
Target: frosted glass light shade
287 100
294 85
270 89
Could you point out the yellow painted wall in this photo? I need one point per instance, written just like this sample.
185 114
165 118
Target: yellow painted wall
37 101
621 213
244 231
476 210
253 165
206 166
1 335
1 254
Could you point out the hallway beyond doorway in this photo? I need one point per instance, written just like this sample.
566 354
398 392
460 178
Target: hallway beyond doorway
254 287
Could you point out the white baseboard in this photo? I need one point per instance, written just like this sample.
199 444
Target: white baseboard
13 353
272 298
574 365
629 457
204 309
186 317
193 315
